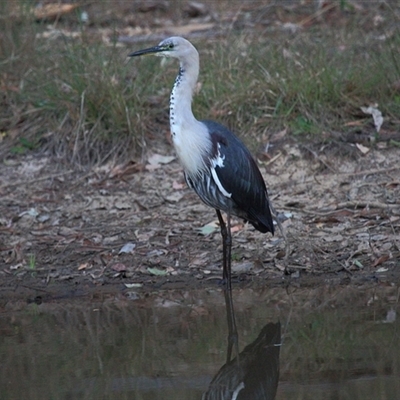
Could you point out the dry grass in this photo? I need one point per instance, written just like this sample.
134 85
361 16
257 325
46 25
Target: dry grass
69 94
309 85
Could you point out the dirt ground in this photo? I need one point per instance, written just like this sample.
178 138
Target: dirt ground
133 228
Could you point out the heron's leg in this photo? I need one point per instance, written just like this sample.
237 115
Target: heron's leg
228 251
233 337
226 248
230 312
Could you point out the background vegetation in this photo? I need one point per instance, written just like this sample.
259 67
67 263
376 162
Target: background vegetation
68 89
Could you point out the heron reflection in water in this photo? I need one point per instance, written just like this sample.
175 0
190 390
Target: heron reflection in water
254 373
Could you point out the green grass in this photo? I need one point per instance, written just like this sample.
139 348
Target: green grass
83 101
306 86
71 96
32 262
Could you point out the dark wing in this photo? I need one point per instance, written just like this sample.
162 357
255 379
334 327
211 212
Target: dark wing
254 374
240 176
262 364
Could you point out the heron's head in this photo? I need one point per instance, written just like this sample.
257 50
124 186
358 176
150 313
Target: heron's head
175 46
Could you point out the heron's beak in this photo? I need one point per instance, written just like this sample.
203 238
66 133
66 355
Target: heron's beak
151 50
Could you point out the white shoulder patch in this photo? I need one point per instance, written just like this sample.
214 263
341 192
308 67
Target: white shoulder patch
219 184
219 162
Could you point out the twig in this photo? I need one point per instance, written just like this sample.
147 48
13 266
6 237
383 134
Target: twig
42 178
348 205
365 204
280 226
79 127
319 158
371 172
318 13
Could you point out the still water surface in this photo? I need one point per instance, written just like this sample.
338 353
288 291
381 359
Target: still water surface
329 343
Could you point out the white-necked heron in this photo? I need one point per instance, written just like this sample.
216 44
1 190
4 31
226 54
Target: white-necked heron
216 164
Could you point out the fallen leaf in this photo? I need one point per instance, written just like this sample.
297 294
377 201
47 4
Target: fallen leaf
122 205
392 184
84 266
291 27
127 248
382 269
200 261
236 228
177 186
157 159
157 272
155 253
376 115
242 267
280 266
133 285
53 11
47 12
144 236
390 317
363 149
97 203
333 238
354 123
32 212
174 197
132 295
124 169
372 300
43 218
277 136
16 266
166 303
380 260
209 228
119 267
379 237
110 239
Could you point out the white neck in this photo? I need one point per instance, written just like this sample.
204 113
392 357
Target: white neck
190 137
182 93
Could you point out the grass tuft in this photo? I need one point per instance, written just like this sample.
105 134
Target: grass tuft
308 86
72 97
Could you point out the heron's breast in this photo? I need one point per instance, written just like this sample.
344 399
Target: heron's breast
192 148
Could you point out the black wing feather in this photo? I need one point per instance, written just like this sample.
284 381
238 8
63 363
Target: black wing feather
241 177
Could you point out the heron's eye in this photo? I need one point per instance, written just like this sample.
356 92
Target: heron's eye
170 46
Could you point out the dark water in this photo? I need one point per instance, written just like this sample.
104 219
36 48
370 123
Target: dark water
336 343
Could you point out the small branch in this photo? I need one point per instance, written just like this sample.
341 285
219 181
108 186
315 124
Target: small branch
280 226
371 172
